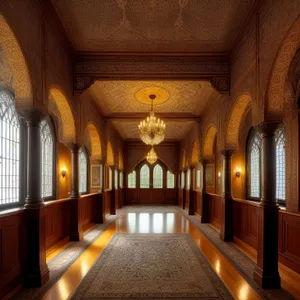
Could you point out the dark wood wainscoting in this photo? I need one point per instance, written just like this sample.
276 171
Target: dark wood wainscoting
151 196
12 250
289 239
88 210
245 214
198 203
180 197
107 202
215 210
57 221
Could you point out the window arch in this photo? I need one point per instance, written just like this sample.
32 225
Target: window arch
198 178
254 148
158 177
116 179
47 159
132 180
121 179
280 163
9 150
144 177
170 180
83 171
182 180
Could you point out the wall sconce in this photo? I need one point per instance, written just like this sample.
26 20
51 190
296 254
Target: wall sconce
219 175
238 172
63 172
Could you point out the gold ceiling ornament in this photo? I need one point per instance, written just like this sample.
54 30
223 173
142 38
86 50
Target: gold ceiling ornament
151 156
152 130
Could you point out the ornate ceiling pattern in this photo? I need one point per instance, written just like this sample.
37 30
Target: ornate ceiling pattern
152 25
175 129
132 96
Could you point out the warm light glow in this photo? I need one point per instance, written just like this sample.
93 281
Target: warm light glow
244 292
219 174
217 266
151 156
238 172
63 172
152 130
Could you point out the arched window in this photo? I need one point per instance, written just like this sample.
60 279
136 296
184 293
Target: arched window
280 163
144 177
132 180
198 178
170 180
158 177
83 161
47 148
188 179
121 180
254 164
110 183
182 180
116 179
9 150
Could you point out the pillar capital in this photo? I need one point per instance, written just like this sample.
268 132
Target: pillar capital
33 117
267 129
227 153
74 147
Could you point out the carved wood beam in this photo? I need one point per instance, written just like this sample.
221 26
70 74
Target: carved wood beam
89 68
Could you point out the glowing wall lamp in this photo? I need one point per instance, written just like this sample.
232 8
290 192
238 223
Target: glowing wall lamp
63 172
238 172
219 174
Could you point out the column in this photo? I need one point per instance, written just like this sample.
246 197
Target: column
226 233
266 272
99 202
205 196
76 232
36 269
184 190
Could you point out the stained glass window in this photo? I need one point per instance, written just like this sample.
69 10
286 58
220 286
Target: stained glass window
198 178
158 177
9 150
144 177
254 163
170 180
188 179
182 180
280 163
47 148
83 171
132 180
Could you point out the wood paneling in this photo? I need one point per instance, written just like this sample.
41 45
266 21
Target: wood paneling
215 209
180 197
107 202
171 196
289 241
87 210
245 214
57 221
12 250
131 196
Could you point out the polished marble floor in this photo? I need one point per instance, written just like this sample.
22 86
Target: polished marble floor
147 221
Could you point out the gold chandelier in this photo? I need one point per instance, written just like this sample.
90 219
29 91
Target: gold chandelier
152 130
151 156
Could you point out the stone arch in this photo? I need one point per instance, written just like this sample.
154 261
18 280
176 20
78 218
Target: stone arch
208 145
275 93
237 112
61 110
95 141
19 68
183 159
195 153
110 159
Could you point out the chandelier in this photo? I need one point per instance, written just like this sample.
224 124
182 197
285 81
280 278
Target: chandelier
151 156
152 130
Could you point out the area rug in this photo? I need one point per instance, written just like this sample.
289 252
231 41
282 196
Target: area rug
151 266
237 258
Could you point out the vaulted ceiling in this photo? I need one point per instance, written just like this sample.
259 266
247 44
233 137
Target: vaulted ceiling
145 27
152 25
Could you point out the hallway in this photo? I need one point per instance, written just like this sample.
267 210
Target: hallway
155 220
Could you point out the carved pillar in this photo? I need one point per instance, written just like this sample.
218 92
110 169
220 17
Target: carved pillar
226 233
98 216
184 190
266 272
113 192
76 232
36 270
191 193
205 196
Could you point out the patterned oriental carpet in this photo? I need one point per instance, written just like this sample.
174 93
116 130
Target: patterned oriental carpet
159 266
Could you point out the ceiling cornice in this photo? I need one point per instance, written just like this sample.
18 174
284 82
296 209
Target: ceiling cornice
89 68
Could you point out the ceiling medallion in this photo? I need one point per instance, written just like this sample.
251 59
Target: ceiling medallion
151 156
152 130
